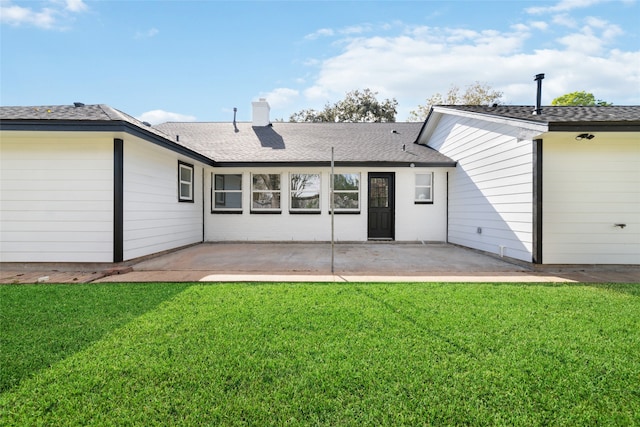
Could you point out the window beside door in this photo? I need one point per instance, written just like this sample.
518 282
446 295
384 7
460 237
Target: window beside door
424 188
346 192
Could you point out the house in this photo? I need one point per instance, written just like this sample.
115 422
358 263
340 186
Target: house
88 183
552 185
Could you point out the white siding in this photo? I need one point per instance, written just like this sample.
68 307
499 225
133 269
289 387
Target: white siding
491 188
412 222
588 186
56 197
154 220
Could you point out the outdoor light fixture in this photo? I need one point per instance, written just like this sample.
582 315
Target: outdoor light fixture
585 136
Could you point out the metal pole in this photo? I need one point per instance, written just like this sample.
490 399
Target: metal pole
331 204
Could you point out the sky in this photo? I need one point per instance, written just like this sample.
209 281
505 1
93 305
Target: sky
168 60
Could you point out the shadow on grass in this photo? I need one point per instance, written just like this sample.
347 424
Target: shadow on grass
43 324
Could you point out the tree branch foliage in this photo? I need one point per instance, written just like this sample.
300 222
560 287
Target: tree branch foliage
357 106
477 93
580 98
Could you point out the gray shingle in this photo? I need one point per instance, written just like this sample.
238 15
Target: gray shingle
69 113
552 114
306 142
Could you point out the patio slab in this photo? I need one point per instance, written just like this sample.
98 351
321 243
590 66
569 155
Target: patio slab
311 262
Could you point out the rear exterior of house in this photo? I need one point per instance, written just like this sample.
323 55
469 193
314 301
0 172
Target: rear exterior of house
272 181
92 184
95 189
372 203
560 187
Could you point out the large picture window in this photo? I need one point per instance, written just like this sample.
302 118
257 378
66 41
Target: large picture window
265 193
305 192
185 182
227 192
346 192
424 188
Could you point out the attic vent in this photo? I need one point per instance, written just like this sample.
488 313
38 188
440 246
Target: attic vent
78 104
146 123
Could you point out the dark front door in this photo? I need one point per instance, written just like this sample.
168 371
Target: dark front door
381 205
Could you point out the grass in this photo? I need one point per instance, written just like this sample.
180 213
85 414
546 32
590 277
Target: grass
320 354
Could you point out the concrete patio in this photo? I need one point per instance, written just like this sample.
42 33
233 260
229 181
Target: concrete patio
311 262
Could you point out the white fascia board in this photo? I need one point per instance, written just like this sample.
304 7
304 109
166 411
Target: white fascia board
537 128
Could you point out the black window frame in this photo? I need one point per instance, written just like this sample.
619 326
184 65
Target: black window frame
190 198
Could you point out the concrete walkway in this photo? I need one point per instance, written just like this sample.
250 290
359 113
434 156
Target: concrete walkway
311 262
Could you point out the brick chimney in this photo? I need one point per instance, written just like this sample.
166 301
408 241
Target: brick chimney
261 112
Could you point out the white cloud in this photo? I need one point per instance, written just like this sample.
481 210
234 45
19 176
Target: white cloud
425 60
281 97
563 6
76 6
47 17
323 32
152 32
160 116
539 25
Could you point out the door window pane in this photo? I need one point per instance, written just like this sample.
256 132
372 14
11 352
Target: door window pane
379 193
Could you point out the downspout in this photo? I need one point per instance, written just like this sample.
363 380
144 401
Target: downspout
446 237
118 200
537 202
203 213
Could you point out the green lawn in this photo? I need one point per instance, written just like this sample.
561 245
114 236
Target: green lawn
320 354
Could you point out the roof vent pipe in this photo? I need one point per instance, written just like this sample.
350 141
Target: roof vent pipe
538 79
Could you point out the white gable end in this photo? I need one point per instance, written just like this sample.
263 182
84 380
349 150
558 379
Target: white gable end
491 189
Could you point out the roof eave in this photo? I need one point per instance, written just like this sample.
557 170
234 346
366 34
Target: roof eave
594 126
100 126
338 163
535 125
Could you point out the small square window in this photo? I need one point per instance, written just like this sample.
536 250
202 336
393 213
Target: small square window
346 192
227 192
265 193
424 188
305 192
185 182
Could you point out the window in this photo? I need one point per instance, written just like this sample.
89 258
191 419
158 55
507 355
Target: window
265 193
185 182
305 192
424 188
346 192
227 192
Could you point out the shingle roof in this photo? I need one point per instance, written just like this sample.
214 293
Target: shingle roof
65 113
307 142
552 114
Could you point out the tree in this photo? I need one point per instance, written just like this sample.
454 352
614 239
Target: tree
357 106
476 94
581 98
